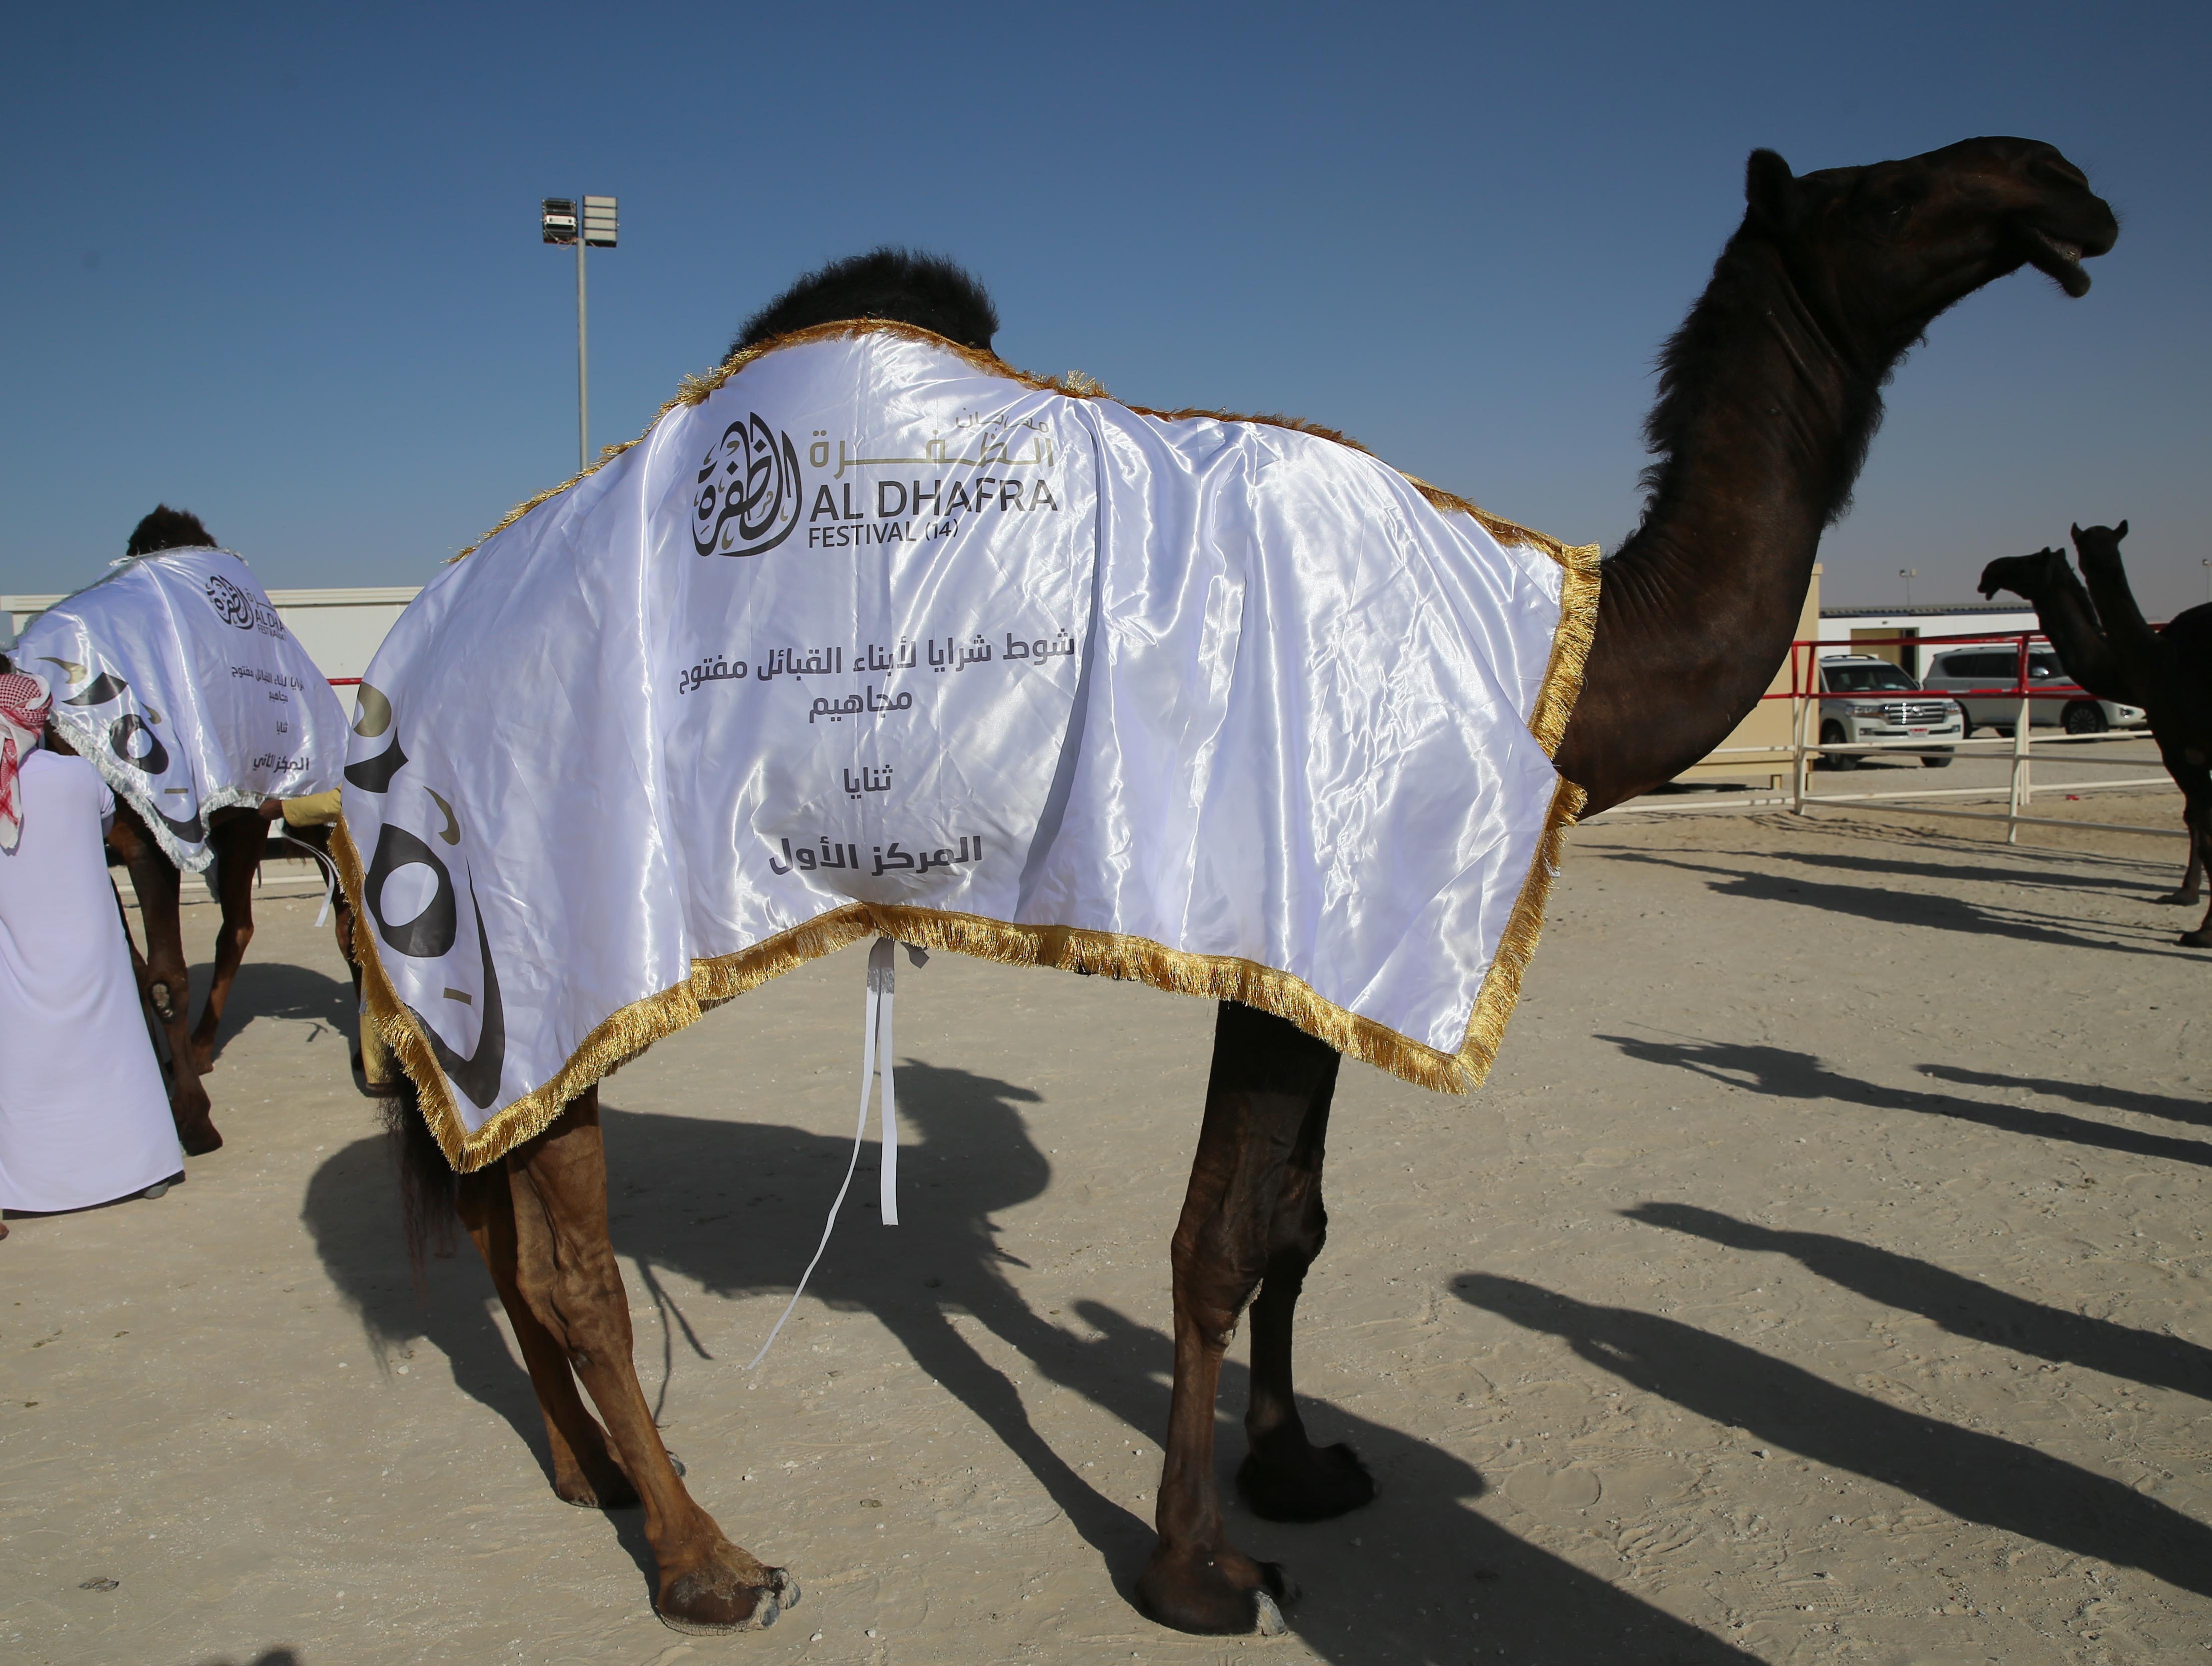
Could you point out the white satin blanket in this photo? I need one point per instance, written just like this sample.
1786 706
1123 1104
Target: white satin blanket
175 677
873 634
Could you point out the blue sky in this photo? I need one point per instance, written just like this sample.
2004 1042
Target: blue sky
281 264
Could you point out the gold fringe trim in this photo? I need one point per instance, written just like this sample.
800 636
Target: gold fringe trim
1571 647
621 1037
695 390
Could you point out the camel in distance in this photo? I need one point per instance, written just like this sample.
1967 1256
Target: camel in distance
1769 396
2104 642
239 837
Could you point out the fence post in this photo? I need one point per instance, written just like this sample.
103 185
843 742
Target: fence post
2020 786
1802 704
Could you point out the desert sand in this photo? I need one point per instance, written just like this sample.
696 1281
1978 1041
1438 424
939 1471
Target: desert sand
1820 1277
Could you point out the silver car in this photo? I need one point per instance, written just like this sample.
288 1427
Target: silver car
1994 665
1877 703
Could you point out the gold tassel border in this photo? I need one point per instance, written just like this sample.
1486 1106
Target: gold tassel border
628 1032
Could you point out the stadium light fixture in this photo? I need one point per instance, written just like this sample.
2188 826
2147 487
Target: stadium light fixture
558 222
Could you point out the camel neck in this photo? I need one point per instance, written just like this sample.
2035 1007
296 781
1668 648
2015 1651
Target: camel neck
1765 413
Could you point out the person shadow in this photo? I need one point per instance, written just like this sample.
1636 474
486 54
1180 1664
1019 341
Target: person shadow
732 1206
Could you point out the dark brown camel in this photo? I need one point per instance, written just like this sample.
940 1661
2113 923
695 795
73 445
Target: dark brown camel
238 836
2112 652
1770 394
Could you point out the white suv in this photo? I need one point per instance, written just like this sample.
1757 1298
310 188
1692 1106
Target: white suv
1867 700
1996 665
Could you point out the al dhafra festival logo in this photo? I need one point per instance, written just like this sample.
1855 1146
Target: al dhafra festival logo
748 495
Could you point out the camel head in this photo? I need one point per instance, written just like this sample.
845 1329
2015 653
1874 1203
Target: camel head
2032 577
2097 544
924 289
168 529
1879 251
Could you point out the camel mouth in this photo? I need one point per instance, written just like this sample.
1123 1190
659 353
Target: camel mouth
2057 260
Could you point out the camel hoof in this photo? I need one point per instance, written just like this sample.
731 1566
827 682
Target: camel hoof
199 1138
1271 1620
2196 940
1224 1595
716 1602
2179 899
1310 1484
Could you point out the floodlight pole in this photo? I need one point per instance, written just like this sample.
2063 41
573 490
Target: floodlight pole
583 367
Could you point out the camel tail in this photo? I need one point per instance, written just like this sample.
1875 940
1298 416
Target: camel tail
429 1189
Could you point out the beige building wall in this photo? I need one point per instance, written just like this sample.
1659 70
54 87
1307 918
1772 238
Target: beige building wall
1769 727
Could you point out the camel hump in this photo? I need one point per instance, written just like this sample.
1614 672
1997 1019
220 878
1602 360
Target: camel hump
900 284
168 529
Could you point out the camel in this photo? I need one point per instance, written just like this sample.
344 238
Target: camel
1769 397
2112 652
239 837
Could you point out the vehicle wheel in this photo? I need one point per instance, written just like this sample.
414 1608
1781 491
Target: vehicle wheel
1936 760
1966 724
2083 717
1832 735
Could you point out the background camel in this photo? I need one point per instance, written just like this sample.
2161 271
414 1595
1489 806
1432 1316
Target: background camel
2103 638
238 836
1770 394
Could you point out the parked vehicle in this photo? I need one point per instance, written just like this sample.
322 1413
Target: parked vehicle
1996 665
1876 704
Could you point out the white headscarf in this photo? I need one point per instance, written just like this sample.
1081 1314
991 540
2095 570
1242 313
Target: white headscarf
24 703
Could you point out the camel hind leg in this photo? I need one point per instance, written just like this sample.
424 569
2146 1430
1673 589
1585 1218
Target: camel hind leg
1285 1477
566 1272
585 1469
238 842
1267 1083
2192 880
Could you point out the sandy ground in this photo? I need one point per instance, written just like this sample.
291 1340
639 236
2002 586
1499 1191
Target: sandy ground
1821 1277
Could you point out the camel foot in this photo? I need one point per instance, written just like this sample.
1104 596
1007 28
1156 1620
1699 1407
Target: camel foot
2180 899
733 1593
2199 938
1222 1593
196 1130
1306 1483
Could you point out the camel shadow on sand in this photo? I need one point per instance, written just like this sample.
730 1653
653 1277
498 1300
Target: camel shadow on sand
1963 1472
1783 1072
731 1205
1885 905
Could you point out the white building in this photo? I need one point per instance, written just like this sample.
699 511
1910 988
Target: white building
340 629
1840 625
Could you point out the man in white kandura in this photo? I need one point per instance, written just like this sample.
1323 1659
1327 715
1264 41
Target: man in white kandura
84 1118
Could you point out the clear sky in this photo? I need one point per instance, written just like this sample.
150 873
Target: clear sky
281 264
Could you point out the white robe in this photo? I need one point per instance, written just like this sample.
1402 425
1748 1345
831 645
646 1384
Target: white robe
84 1118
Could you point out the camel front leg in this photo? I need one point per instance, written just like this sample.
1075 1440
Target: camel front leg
1267 1080
237 844
1285 1477
565 1268
585 1472
167 986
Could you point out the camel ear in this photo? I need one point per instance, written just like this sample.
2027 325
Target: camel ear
2073 532
1771 189
2119 531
